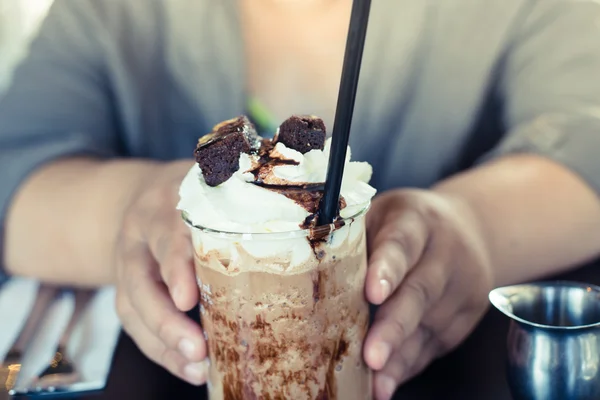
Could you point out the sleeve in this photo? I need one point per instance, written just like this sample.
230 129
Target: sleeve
58 104
551 87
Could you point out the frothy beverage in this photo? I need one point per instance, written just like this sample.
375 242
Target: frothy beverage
282 300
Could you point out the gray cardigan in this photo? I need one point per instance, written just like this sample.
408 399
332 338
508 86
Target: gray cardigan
444 85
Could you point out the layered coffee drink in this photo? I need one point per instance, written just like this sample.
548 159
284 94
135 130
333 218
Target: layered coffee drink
282 298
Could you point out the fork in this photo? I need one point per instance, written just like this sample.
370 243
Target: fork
61 370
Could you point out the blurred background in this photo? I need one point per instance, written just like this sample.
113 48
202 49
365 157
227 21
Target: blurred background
19 21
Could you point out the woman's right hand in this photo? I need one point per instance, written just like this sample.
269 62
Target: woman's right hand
155 275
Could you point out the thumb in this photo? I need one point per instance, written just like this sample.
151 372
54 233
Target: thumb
395 249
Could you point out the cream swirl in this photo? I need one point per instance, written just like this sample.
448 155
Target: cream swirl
241 205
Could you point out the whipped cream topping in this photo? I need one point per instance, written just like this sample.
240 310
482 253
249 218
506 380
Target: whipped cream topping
248 203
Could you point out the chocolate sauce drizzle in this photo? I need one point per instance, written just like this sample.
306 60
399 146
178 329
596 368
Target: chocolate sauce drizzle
307 195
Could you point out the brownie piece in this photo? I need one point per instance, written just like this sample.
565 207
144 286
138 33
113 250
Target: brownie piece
302 133
218 153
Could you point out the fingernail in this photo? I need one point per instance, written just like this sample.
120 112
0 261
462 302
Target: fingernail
386 288
383 351
196 372
387 385
187 348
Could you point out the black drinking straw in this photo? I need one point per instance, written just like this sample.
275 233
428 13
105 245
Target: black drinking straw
355 43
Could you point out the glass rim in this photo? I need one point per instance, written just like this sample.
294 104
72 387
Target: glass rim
271 235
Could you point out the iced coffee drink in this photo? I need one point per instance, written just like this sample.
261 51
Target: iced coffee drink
282 298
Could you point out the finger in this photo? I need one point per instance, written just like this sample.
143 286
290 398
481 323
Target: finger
444 312
401 361
177 270
396 248
171 246
429 352
193 372
462 325
444 342
456 303
398 318
151 301
375 219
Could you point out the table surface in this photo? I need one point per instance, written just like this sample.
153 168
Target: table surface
475 370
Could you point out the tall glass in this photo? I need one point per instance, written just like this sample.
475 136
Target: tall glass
284 317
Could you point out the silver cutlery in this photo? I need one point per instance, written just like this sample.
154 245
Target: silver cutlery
61 371
11 365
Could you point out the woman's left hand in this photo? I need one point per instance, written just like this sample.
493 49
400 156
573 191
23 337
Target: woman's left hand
430 271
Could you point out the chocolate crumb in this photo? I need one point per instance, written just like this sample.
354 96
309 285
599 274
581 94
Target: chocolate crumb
218 153
302 133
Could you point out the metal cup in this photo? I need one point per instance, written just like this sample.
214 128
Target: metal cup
553 339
